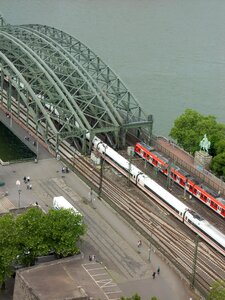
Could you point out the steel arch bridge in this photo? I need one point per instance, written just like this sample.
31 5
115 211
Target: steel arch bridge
61 89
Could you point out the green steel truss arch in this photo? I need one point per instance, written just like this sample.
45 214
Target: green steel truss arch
64 89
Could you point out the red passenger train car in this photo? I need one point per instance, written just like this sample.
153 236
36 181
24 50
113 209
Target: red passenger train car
182 178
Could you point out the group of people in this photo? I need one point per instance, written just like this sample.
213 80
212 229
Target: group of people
154 273
92 257
139 244
26 180
27 138
65 170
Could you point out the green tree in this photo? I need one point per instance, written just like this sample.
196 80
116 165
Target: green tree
218 291
8 249
64 229
31 230
190 127
35 233
218 164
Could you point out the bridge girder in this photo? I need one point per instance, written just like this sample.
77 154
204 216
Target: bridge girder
66 89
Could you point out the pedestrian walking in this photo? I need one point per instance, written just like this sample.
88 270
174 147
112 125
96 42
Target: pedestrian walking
153 275
139 243
158 270
90 258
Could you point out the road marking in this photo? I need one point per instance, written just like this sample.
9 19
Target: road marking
107 285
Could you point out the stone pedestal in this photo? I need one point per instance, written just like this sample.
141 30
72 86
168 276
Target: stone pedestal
202 159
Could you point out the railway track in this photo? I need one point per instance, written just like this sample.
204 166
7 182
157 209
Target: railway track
173 243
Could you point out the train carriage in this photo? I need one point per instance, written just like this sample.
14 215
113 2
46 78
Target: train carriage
182 212
182 178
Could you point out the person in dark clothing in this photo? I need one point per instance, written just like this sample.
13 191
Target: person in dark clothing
158 270
153 275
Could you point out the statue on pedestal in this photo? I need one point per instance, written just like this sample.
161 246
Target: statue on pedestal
205 144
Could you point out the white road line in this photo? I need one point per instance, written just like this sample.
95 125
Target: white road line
104 283
113 292
96 269
100 274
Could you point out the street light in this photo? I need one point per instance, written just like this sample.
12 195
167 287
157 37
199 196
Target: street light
19 191
150 248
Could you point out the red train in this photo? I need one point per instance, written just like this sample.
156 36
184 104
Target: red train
181 177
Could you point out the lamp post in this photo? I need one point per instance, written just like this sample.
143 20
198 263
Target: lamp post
37 148
19 191
150 248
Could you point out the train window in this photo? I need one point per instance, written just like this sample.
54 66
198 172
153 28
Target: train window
214 205
181 182
147 156
208 200
154 162
203 198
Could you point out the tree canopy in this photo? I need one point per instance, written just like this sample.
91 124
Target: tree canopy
218 291
35 233
189 129
8 249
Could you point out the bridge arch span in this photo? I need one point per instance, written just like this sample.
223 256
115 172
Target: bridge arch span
64 89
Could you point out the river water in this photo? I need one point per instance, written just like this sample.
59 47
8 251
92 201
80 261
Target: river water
169 53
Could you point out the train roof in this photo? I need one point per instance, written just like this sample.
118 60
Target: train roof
221 200
183 172
168 197
206 227
149 148
163 158
195 215
209 191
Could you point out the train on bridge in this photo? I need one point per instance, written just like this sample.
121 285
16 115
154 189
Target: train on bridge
203 193
181 211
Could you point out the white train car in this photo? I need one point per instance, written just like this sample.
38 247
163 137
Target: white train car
205 230
162 196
